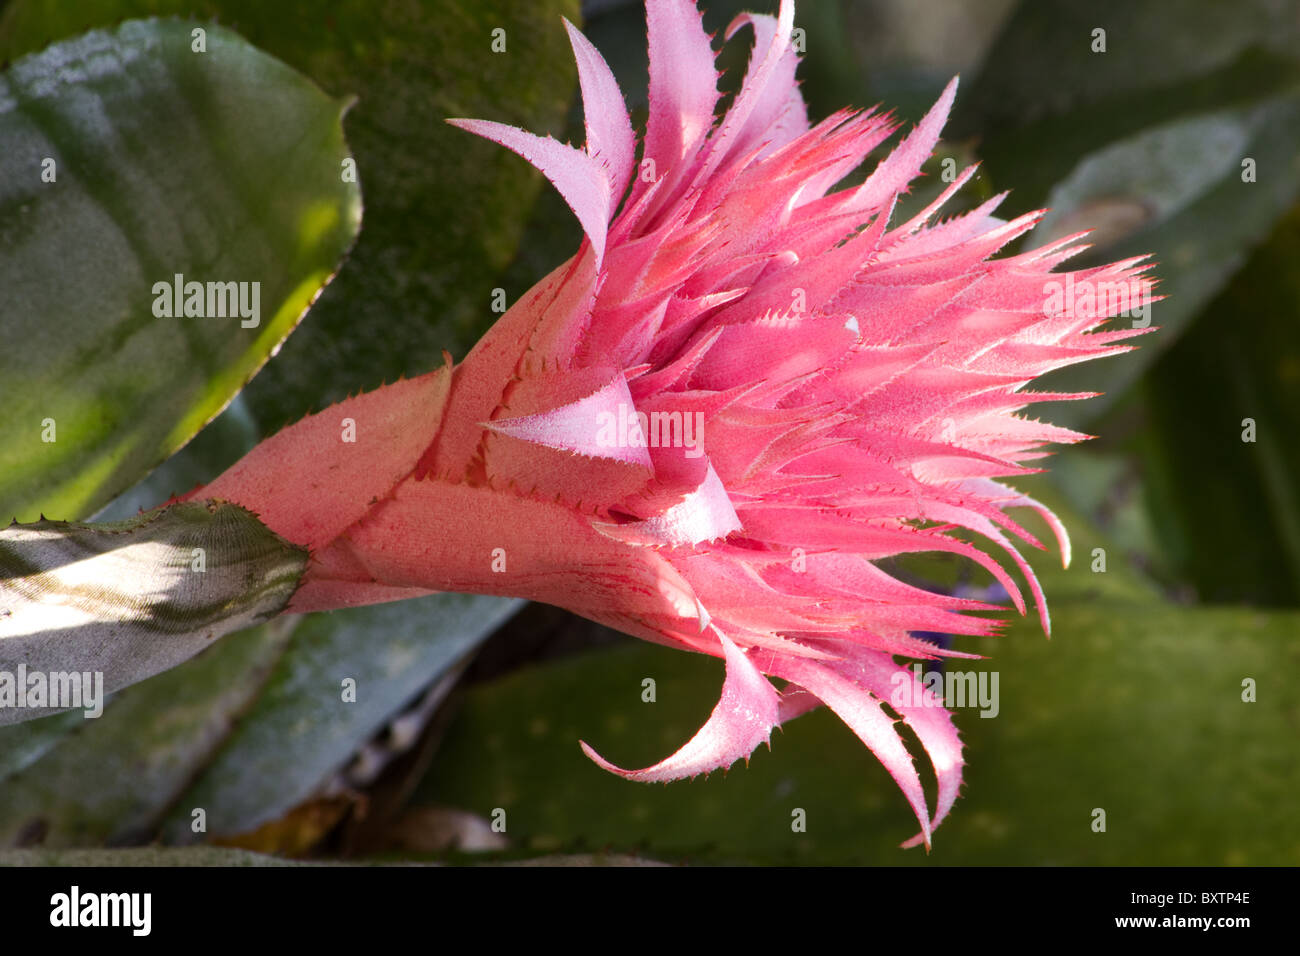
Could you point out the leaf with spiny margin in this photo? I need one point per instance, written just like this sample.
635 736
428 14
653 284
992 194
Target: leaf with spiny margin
130 599
444 213
221 166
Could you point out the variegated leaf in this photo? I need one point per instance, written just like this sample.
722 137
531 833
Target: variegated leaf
86 609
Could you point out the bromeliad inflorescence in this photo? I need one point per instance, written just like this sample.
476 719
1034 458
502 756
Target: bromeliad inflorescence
707 426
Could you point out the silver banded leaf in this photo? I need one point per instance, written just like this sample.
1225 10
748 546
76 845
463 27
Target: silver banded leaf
407 644
88 609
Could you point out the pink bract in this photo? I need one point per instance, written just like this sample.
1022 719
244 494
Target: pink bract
852 391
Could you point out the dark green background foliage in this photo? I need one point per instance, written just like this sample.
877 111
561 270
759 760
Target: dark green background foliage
1135 704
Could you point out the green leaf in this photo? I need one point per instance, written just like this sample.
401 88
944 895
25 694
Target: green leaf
1145 144
1193 449
444 210
1133 708
114 779
1199 219
247 731
27 742
1043 100
123 601
302 710
221 166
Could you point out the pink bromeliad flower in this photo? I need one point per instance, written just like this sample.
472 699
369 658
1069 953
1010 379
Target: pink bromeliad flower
706 427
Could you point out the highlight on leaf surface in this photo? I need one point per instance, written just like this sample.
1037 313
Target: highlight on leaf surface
166 218
95 607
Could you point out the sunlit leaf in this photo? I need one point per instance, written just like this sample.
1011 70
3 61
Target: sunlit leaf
132 165
126 600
